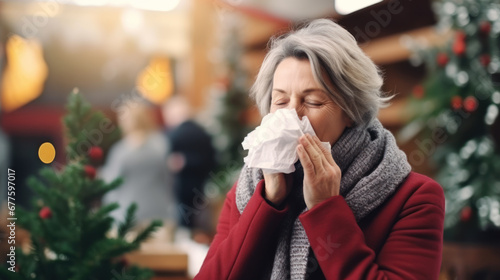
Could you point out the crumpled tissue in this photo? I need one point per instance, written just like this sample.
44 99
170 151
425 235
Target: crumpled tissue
272 145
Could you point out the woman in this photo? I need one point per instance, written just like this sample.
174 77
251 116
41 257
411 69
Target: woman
140 159
355 212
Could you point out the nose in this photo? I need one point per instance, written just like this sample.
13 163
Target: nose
295 104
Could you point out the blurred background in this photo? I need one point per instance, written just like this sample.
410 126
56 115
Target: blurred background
440 59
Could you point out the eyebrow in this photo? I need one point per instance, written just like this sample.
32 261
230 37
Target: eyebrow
304 92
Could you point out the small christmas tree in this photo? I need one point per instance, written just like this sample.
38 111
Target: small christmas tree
459 102
69 236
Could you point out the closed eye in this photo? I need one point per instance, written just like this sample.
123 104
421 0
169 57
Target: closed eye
313 104
280 102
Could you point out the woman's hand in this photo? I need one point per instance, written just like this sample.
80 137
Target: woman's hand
278 186
321 173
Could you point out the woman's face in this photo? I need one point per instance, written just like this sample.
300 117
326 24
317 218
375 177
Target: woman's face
127 120
294 87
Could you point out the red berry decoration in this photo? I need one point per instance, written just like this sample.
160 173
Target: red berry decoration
123 262
456 102
459 47
485 60
95 153
485 27
90 171
470 104
466 214
442 59
45 213
418 91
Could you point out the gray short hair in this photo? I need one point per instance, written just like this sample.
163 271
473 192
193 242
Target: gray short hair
351 79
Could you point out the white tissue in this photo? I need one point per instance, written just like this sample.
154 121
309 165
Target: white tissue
272 145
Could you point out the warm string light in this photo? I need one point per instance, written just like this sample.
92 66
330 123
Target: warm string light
25 73
155 82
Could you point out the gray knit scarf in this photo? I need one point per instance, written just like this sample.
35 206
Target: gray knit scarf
372 168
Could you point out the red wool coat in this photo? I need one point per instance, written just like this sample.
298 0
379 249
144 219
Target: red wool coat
402 239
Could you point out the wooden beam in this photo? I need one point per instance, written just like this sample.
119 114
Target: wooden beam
390 49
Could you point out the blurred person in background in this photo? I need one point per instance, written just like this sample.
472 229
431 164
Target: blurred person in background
139 158
191 158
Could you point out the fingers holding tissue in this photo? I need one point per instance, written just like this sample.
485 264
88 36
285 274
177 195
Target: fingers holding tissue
321 174
274 147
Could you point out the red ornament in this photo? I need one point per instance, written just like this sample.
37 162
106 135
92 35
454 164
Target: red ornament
95 153
45 213
459 47
90 171
442 59
485 60
418 91
456 102
485 27
123 262
470 104
466 214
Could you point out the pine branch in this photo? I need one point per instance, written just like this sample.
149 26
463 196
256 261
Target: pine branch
147 232
97 188
49 175
107 249
28 219
79 112
39 188
129 221
104 211
27 262
38 251
98 229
